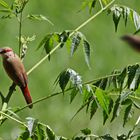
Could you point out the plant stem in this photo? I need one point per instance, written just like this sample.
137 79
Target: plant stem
77 29
20 32
7 116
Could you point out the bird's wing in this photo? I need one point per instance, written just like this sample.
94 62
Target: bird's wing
16 71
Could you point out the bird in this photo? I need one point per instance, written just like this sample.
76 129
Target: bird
16 71
133 41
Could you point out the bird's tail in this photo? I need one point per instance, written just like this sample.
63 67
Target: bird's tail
26 94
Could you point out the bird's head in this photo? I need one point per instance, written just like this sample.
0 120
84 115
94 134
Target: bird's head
5 51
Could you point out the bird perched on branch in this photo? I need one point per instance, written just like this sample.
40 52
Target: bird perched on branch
133 41
16 71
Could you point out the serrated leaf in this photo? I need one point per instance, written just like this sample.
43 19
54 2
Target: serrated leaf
121 78
136 19
136 80
63 37
126 13
50 133
110 107
103 99
64 79
39 18
86 131
24 136
69 75
116 110
93 108
47 37
87 93
127 114
40 132
116 16
86 46
31 124
73 94
131 73
76 39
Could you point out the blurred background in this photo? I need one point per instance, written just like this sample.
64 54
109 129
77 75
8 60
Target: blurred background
108 52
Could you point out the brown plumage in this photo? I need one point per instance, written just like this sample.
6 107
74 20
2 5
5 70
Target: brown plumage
133 41
16 71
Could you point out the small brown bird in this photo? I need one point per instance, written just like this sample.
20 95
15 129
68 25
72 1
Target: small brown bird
16 71
133 41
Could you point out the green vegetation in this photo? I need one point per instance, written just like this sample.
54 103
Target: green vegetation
96 51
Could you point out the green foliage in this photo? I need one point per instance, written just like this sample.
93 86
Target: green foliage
119 11
111 94
71 39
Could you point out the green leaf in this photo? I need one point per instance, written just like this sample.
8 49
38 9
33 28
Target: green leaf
110 107
69 75
117 108
121 78
138 138
126 13
73 94
103 99
86 131
86 46
103 83
40 132
93 108
64 79
25 135
64 37
76 39
126 102
92 5
116 16
31 123
131 73
87 93
39 18
50 133
136 80
136 19
127 114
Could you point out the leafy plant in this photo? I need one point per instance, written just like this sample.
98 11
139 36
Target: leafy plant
111 94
